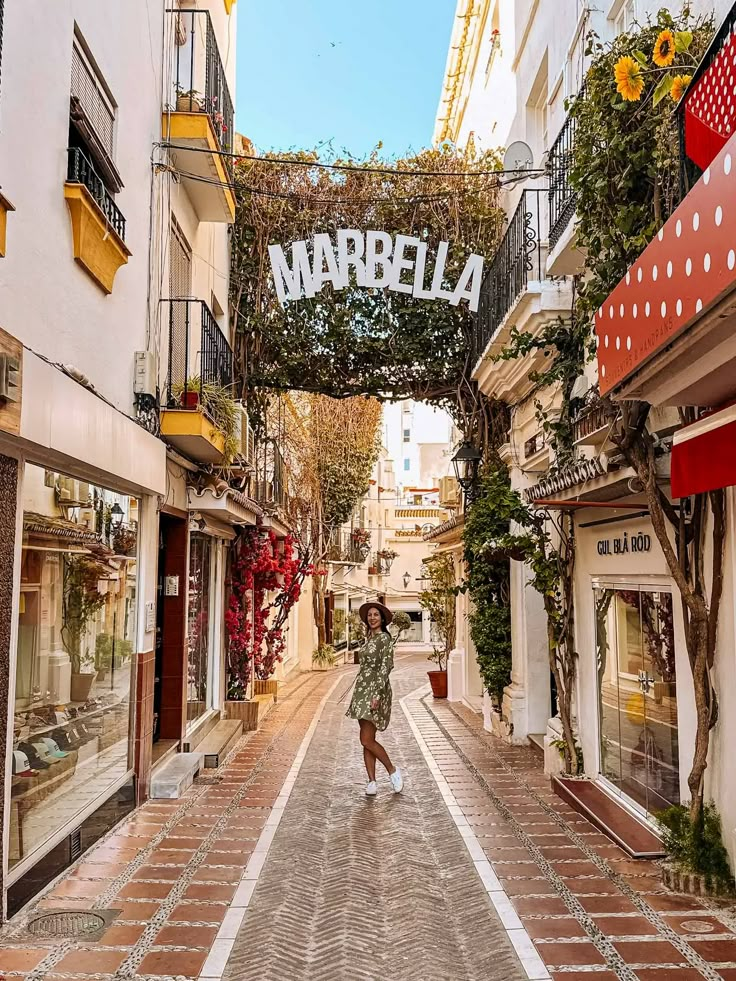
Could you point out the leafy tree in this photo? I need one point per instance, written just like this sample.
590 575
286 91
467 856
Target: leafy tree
439 600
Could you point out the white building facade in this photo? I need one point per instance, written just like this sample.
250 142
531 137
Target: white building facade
125 209
510 68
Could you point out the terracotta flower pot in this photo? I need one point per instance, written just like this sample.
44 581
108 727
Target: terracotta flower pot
190 400
81 685
438 681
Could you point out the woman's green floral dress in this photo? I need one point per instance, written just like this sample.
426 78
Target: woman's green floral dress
376 664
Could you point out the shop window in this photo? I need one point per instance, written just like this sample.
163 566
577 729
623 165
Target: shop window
76 641
637 694
200 574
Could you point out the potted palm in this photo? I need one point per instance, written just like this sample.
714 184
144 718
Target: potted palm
439 601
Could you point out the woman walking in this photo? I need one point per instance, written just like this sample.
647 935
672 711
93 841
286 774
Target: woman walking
371 702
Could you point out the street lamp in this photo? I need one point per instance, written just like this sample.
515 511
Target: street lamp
466 464
407 580
116 516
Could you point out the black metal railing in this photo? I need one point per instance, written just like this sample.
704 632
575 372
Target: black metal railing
199 83
593 418
269 483
561 195
517 261
349 547
199 353
80 171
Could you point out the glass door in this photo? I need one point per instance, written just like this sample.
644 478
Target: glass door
637 694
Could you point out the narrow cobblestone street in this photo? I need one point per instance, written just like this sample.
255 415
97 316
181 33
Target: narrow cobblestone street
276 866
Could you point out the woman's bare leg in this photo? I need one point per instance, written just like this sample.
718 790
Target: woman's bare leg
370 763
369 742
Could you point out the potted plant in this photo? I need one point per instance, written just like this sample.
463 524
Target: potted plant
81 601
372 570
189 100
324 658
439 601
399 625
386 557
220 406
124 541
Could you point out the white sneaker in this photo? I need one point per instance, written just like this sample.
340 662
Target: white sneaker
397 781
371 790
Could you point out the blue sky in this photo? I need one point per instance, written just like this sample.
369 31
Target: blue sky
353 72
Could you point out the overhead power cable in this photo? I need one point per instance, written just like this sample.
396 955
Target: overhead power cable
388 171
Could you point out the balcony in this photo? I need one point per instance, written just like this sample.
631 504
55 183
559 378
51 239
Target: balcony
564 258
349 547
98 225
593 425
667 332
379 565
199 375
269 483
516 292
198 119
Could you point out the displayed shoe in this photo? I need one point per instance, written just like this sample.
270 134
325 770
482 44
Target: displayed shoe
371 789
397 781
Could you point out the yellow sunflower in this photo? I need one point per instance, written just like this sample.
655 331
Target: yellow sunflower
629 80
664 49
679 85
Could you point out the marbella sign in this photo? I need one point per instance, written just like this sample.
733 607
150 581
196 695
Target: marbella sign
377 261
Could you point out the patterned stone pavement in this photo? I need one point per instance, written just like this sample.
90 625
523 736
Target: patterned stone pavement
476 871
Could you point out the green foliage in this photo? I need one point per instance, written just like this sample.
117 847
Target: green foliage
220 406
697 847
104 649
439 600
325 656
356 340
626 160
561 746
488 582
399 625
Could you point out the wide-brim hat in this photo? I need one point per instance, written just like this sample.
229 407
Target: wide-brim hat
363 611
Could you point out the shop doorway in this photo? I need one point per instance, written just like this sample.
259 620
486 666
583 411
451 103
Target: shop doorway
170 656
637 694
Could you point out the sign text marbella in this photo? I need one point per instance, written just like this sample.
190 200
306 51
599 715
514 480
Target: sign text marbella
377 261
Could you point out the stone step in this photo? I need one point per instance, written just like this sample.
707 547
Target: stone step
218 743
176 776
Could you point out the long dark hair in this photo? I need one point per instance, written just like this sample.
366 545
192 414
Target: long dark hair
384 625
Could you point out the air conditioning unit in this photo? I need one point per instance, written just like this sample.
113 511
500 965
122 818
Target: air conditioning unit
449 492
244 436
72 493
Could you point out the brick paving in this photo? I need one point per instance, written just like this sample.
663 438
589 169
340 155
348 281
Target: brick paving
376 889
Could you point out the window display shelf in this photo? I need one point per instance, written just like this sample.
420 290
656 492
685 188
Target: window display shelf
77 720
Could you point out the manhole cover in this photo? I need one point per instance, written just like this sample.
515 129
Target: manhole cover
697 926
71 923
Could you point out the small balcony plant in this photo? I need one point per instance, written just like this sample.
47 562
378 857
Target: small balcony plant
219 405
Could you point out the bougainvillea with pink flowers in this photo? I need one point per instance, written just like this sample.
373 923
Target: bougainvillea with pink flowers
266 579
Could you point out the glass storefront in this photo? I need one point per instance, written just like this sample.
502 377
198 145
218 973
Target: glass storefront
200 575
76 641
637 694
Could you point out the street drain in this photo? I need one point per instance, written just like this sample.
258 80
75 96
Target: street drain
69 923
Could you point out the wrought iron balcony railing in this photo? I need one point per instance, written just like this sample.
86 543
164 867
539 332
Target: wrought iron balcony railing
350 547
81 171
269 485
561 195
517 261
199 353
593 424
199 83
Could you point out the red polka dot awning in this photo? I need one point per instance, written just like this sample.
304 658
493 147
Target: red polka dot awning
684 271
710 105
704 454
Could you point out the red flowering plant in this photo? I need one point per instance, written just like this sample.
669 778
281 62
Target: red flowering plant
261 566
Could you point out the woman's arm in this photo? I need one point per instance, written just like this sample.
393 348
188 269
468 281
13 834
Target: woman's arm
387 658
